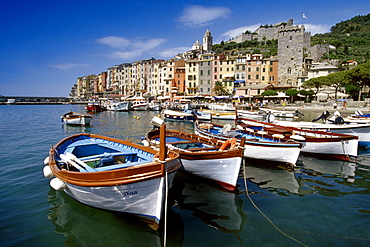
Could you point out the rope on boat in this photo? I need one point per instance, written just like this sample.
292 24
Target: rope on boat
259 210
344 151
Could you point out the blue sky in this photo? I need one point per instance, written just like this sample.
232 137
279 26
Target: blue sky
46 45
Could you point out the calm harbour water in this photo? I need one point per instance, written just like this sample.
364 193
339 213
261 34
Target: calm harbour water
320 203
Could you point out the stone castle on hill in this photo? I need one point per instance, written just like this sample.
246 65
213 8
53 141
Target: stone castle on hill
199 70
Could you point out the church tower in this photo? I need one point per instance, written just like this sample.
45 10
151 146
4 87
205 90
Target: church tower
207 41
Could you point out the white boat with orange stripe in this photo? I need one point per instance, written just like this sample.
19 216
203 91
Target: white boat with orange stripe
219 162
113 174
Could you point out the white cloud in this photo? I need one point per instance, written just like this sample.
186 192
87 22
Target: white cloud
237 31
169 53
199 16
68 66
129 49
314 29
114 41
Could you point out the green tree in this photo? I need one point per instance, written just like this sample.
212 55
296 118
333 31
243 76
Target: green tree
318 83
220 89
269 93
292 93
338 80
307 93
359 77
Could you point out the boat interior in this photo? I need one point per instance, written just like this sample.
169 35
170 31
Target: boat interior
188 145
92 156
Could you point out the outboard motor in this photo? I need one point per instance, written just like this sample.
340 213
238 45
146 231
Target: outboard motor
338 120
323 116
270 118
298 113
358 113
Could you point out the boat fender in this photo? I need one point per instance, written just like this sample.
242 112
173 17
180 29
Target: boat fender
230 143
46 161
145 143
270 118
297 137
47 172
57 184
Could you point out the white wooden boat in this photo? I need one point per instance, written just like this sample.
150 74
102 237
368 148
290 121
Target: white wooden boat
256 147
140 105
120 106
281 113
202 157
252 114
318 143
94 106
178 115
155 106
113 174
221 115
204 116
75 118
221 107
362 131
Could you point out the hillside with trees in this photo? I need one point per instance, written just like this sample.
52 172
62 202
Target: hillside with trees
351 39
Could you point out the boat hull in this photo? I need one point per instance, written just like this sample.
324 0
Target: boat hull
143 199
272 152
76 119
203 158
223 171
119 106
316 143
113 174
280 152
178 116
362 131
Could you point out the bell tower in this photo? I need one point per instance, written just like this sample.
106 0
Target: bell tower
207 41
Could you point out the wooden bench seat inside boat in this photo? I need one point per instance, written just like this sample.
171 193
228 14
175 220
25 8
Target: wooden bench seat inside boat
278 130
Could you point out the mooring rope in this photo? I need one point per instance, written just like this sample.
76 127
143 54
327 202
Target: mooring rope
259 210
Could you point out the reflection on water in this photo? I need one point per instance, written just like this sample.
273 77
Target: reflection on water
86 226
218 208
271 177
320 202
311 176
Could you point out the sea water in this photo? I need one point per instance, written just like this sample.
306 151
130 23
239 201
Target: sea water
319 203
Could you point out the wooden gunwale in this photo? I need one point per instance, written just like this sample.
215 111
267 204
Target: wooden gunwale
196 153
250 141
